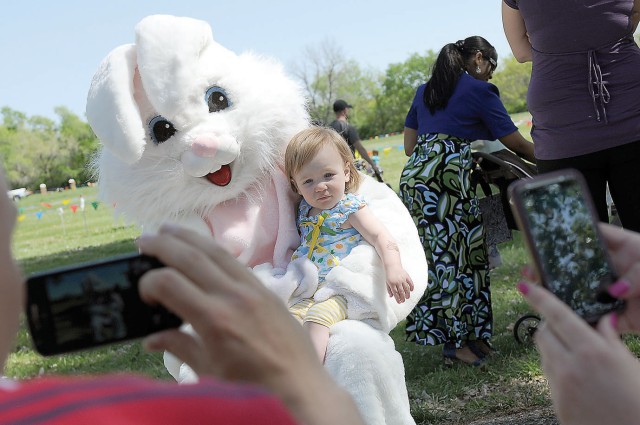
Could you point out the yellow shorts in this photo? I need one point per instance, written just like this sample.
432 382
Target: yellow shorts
326 313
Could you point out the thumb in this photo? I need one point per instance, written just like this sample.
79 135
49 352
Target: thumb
185 346
608 328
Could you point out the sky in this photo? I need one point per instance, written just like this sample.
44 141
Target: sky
52 49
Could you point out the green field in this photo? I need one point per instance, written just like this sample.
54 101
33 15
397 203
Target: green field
513 381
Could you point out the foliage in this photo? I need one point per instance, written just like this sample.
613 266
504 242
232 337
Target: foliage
512 78
37 150
399 87
327 75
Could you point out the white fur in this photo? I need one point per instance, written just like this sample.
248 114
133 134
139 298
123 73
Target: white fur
167 73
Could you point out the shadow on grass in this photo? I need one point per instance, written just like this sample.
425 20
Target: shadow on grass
76 256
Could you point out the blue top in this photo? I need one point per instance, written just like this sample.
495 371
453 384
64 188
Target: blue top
322 238
474 112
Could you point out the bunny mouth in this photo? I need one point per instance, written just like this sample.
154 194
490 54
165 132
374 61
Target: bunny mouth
222 177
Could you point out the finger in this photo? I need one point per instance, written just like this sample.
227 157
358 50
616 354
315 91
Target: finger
408 287
624 246
529 273
215 252
389 291
395 292
411 286
628 284
571 330
553 352
184 346
608 327
179 295
191 259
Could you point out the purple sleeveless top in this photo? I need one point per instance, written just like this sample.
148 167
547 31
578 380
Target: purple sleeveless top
584 93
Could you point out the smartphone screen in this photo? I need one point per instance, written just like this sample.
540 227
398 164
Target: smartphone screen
93 304
558 219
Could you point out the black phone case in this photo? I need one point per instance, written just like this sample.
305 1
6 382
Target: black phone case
601 298
92 304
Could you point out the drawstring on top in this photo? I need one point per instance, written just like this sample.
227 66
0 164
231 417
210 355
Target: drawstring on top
597 86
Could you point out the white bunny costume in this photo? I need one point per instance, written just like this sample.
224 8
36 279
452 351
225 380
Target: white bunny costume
195 134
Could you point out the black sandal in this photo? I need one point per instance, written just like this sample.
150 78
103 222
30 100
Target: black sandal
450 357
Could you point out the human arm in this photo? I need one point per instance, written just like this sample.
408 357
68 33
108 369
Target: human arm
12 281
365 155
517 143
593 377
410 140
635 15
246 333
399 283
516 33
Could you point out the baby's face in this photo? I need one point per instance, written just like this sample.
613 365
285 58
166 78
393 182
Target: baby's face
323 179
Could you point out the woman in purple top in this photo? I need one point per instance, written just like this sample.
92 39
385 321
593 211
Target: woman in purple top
584 94
456 106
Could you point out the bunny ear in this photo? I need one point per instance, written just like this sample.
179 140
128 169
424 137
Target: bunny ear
171 59
111 108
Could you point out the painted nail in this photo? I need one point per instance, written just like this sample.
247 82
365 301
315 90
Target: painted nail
619 288
614 321
523 288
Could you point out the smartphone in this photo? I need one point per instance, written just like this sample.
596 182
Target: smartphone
559 222
92 304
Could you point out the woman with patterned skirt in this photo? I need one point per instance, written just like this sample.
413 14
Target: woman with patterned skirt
456 106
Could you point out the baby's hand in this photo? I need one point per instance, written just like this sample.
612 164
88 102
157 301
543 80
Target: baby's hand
399 284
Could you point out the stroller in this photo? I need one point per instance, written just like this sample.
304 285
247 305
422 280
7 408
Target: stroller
501 168
364 167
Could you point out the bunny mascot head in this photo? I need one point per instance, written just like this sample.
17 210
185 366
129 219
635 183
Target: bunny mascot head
195 134
187 127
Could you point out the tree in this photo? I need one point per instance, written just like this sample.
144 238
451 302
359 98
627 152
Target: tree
38 150
81 143
327 75
512 78
398 89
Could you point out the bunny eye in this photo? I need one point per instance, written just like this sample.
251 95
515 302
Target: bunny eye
216 98
161 129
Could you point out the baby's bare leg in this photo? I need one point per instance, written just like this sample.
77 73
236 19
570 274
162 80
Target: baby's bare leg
319 336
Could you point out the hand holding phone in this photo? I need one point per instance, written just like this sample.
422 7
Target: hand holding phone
92 304
558 220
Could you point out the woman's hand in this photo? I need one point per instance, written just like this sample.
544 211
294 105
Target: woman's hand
593 377
11 281
624 251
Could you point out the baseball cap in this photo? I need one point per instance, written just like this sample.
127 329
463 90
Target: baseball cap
340 105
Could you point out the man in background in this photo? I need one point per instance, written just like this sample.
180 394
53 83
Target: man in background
350 133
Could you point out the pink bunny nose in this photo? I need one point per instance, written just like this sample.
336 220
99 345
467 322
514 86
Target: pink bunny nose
205 146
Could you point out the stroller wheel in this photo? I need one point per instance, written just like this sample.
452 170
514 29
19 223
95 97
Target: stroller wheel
525 327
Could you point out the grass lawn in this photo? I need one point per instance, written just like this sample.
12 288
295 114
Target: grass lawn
50 234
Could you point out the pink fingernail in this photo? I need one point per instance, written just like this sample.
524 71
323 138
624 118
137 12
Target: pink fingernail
523 288
619 288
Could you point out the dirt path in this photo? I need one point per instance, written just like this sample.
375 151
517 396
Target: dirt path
544 416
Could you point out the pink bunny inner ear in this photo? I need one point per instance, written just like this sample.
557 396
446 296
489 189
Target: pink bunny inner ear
112 111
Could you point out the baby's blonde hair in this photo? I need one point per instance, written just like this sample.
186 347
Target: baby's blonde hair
304 146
